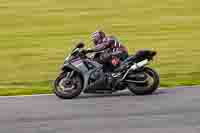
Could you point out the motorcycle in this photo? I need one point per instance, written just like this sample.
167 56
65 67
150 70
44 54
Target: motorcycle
82 73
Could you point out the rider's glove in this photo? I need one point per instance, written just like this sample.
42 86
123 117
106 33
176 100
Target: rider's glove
84 52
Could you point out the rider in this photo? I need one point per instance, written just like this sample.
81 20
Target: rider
113 51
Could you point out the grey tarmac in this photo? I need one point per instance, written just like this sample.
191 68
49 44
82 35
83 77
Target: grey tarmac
166 111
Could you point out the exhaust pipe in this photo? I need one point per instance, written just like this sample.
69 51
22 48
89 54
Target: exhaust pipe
139 64
135 67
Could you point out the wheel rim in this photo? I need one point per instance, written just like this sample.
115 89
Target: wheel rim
149 83
65 88
150 80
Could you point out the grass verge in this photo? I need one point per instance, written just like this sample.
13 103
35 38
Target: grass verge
35 36
16 89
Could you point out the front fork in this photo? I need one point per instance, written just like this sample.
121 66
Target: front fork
69 74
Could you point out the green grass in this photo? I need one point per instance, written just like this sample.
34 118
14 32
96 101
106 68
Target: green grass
24 91
35 36
25 88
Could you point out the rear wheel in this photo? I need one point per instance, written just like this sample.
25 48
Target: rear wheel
66 88
151 84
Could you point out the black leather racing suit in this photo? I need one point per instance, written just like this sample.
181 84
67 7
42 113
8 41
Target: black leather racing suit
111 49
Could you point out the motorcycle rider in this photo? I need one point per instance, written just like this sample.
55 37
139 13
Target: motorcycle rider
113 52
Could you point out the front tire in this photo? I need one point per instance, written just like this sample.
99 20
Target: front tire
62 89
150 87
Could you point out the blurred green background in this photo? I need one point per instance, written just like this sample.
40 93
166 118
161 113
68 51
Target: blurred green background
35 36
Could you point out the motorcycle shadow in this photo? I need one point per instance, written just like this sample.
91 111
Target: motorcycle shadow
118 94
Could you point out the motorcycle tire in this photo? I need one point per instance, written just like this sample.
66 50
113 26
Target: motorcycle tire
74 92
146 90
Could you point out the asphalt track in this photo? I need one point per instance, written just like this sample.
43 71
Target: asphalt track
167 111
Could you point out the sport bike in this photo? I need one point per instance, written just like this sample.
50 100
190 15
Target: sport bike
82 73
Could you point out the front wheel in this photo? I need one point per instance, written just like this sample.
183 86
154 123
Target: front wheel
153 81
66 88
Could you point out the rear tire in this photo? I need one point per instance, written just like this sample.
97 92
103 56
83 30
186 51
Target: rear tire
150 88
76 87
